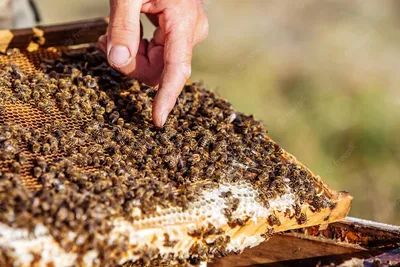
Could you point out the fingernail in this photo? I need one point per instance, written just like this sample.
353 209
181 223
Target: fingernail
164 117
119 55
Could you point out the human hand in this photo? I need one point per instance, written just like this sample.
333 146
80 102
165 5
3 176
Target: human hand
166 59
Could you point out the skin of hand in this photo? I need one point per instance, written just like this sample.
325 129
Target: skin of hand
166 58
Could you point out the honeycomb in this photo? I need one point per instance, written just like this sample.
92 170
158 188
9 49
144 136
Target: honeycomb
87 179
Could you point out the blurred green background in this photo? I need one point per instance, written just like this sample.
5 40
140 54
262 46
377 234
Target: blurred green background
324 76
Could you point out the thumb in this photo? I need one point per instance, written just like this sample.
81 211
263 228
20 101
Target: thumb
123 32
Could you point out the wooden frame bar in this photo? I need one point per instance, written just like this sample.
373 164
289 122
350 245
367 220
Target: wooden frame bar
351 239
75 33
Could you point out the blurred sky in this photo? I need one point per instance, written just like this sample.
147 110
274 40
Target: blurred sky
322 75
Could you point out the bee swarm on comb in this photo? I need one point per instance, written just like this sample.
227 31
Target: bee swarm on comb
91 181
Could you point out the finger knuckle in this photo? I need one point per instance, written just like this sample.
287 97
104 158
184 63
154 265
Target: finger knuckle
204 28
123 28
186 71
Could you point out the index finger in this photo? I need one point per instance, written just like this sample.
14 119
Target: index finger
178 26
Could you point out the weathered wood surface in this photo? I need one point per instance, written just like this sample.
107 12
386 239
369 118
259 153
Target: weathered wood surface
31 39
338 242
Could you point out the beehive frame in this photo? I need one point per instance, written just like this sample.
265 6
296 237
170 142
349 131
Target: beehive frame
36 44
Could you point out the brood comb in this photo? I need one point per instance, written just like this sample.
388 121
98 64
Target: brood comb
87 179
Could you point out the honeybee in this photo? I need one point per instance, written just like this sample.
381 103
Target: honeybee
64 106
102 185
164 139
110 106
117 157
227 212
95 148
35 147
62 97
73 141
195 158
76 99
62 84
13 99
47 178
61 176
41 162
235 204
76 114
90 82
25 95
302 218
173 162
194 173
204 141
46 148
268 233
37 172
67 148
62 214
114 116
15 167
93 98
190 134
236 222
44 106
108 161
297 210
103 97
271 194
53 145
22 158
5 134
52 88
86 107
5 95
96 160
4 82
16 73
273 220
35 95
